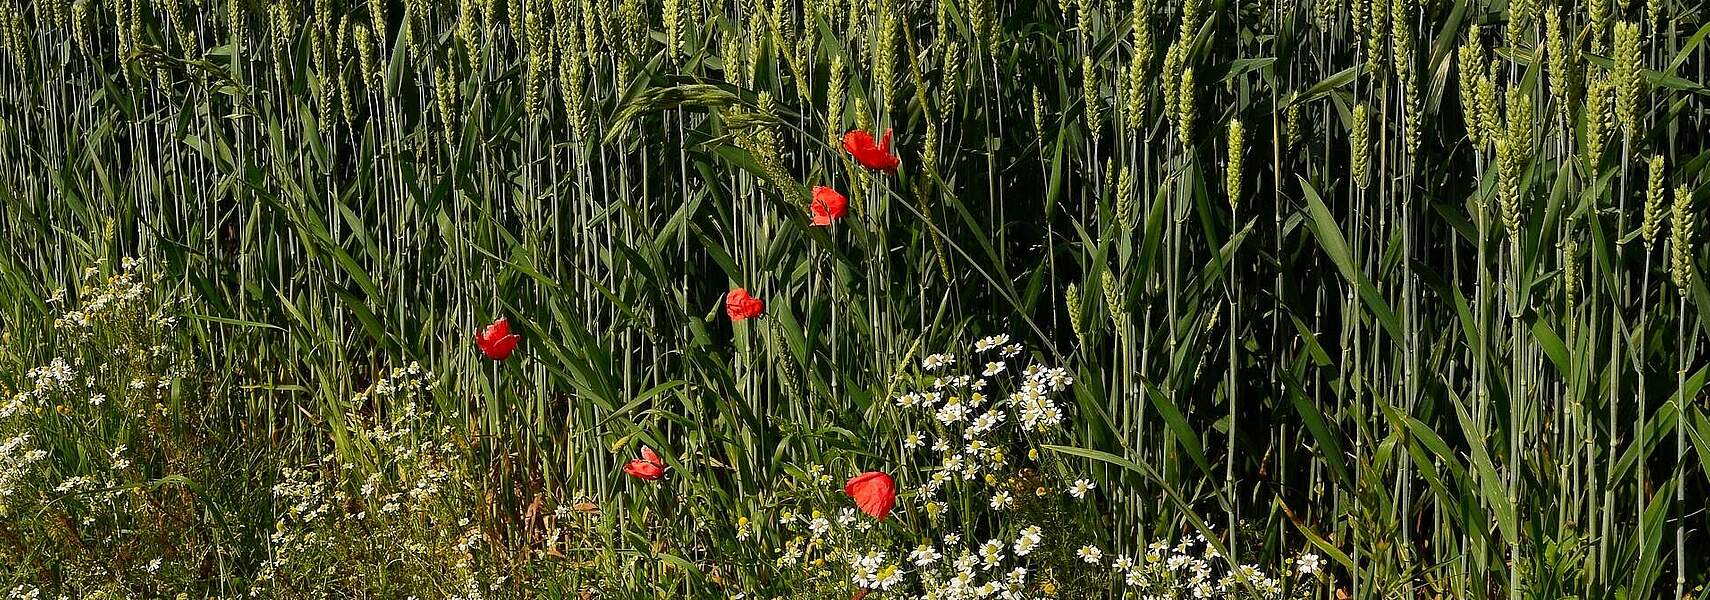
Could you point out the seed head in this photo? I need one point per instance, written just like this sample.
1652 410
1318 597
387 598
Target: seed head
1490 106
1655 202
1358 146
1597 92
1597 12
1115 300
1570 274
1560 63
1072 300
1374 37
1232 171
1513 151
1125 199
1683 223
835 86
1626 76
1471 70
1090 100
1185 113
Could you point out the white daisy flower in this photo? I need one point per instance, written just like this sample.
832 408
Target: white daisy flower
1308 564
1028 540
1090 554
924 555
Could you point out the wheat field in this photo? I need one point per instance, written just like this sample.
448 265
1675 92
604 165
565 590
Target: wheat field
1352 299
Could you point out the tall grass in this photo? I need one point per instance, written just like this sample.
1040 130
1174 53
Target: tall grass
1390 278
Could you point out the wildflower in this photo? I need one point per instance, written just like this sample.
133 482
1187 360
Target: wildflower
1011 351
496 340
828 205
988 343
1090 554
913 440
819 525
993 368
1081 487
887 577
1135 578
951 412
1017 577
924 555
1309 564
991 554
1001 501
935 509
878 157
875 493
744 529
739 305
647 468
1028 540
934 362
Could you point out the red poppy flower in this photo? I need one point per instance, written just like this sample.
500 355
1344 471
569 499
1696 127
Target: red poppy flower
647 468
874 492
877 157
828 206
496 340
739 305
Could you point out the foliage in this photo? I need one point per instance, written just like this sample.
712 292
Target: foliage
1431 309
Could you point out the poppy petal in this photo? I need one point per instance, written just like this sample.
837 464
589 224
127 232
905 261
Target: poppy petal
828 205
875 493
740 305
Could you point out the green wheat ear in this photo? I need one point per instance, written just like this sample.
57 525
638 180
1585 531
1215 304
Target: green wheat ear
1295 124
1125 208
1490 104
1597 91
1359 146
1520 14
1072 300
1597 13
1470 63
1089 94
1232 173
1172 82
835 87
673 15
1683 223
1625 76
1513 150
1185 113
1375 37
884 56
1570 275
1038 112
1655 202
1139 65
1559 64
1115 301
